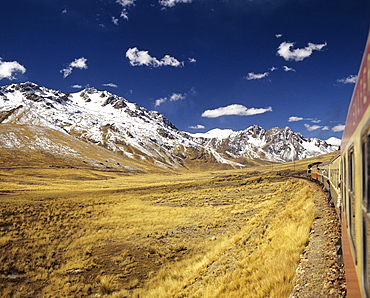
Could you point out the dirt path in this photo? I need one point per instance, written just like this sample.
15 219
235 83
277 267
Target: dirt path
319 273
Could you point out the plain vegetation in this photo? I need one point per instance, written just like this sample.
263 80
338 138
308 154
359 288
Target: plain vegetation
78 232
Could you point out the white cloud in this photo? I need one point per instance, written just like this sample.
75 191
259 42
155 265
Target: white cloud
125 3
115 21
256 76
285 50
124 13
198 126
173 97
234 109
177 96
8 69
352 79
286 68
170 61
76 86
273 68
312 127
110 85
278 35
171 3
158 102
192 60
338 128
295 118
66 71
79 63
139 58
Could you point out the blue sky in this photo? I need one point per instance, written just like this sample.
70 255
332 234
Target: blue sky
204 64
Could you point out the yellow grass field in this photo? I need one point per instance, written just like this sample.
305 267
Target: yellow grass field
85 233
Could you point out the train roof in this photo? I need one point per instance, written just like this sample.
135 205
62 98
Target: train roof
314 164
319 163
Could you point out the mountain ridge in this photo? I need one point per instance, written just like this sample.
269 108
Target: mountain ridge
112 122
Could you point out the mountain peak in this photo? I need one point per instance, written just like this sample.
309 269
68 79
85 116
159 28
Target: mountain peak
334 141
29 85
90 90
26 86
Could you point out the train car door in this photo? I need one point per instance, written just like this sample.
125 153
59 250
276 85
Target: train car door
366 211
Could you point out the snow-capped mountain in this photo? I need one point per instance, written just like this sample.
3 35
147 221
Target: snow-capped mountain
106 120
274 144
110 121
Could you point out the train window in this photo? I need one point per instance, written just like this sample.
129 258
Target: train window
366 172
351 198
350 171
343 187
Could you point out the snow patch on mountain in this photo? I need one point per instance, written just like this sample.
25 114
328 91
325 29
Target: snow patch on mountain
214 133
334 141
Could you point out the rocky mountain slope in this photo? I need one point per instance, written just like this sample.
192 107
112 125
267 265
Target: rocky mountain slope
110 121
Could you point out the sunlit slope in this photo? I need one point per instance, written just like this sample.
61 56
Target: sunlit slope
35 146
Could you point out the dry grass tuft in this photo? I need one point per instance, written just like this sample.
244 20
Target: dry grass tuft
107 284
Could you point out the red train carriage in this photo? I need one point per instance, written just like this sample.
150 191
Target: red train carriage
313 170
347 177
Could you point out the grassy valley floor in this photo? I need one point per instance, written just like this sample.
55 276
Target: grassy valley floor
84 233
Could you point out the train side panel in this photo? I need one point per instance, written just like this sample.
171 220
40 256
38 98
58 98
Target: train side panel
329 176
352 248
335 181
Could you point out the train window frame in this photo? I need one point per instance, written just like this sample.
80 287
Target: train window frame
344 188
365 151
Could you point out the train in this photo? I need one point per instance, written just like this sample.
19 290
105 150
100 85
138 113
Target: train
346 178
